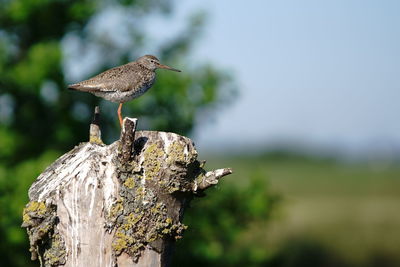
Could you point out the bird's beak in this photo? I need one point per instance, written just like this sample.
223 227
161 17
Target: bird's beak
161 66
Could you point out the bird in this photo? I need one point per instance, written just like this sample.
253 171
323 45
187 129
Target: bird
123 83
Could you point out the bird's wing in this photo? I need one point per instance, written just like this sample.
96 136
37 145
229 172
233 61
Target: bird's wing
109 81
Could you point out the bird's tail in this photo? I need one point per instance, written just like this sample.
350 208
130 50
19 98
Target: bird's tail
80 87
73 87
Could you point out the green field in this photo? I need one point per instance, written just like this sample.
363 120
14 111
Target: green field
348 211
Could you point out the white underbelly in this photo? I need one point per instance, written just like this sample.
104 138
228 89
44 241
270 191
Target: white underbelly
122 97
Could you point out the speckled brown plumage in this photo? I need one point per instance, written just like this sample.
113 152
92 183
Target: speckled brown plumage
124 83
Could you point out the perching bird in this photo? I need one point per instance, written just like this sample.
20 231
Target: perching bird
124 83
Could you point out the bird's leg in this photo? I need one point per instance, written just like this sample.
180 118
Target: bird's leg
119 114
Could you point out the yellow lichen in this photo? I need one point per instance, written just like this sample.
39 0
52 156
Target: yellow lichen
130 183
132 218
166 231
140 192
33 208
43 230
56 255
95 140
176 152
158 209
152 237
37 207
136 227
173 189
121 242
116 208
26 219
152 164
162 182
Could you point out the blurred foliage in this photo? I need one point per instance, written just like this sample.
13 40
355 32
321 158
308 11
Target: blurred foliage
35 105
41 43
218 225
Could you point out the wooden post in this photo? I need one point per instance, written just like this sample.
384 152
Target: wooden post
115 205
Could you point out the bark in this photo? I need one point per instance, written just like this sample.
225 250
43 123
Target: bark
115 205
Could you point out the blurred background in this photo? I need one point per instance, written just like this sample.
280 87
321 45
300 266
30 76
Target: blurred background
300 98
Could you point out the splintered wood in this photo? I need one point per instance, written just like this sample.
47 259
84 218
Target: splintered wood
115 205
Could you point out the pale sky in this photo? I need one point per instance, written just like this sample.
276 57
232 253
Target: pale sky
324 73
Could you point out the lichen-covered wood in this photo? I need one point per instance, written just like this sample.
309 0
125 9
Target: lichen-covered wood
115 205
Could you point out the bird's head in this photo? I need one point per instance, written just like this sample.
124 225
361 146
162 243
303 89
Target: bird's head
152 63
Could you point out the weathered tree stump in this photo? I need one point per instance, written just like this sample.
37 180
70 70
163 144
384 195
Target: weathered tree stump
115 205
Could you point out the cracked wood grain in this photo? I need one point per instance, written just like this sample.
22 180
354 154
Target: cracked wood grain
116 205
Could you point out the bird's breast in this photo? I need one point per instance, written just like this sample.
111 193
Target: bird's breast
137 89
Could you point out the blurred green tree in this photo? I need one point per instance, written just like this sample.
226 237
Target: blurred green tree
41 42
220 224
